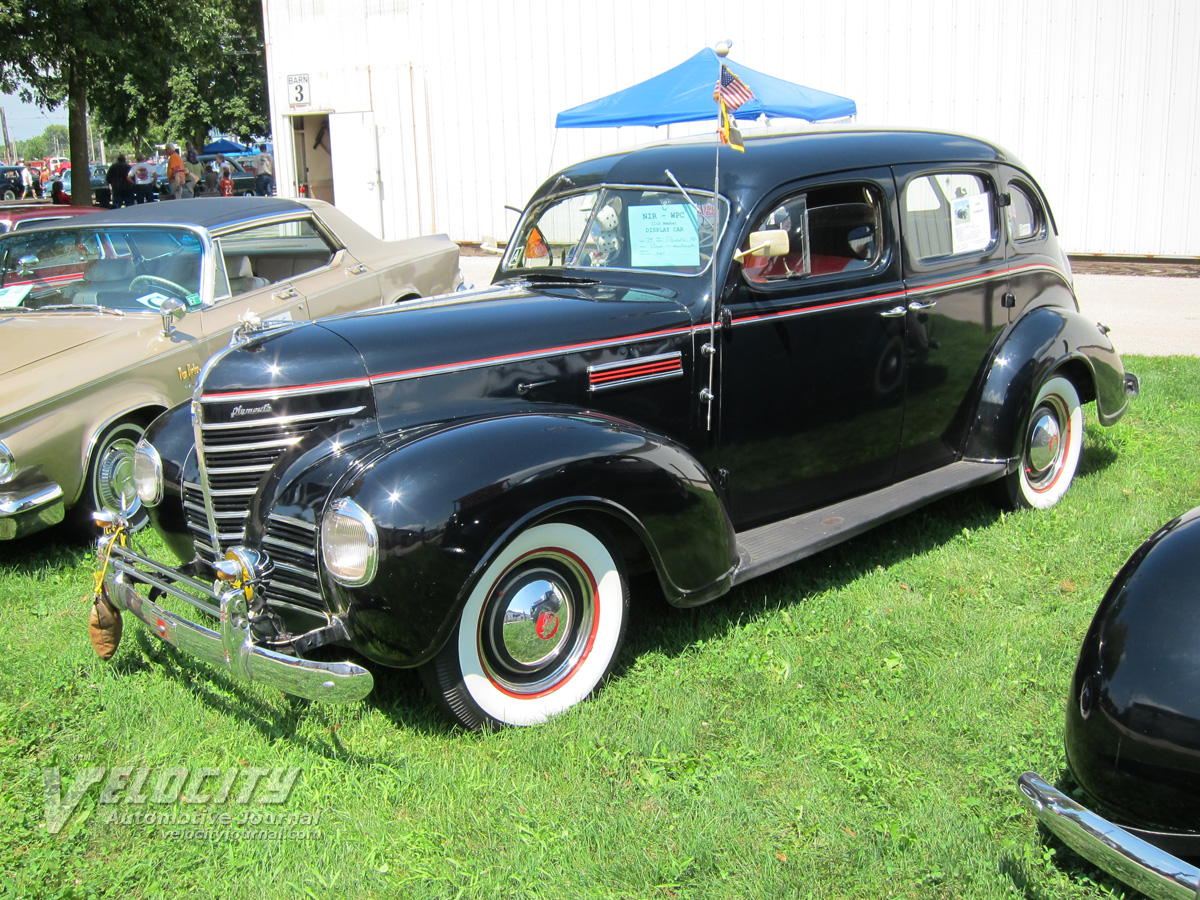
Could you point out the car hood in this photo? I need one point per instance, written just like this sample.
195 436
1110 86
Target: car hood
475 338
32 337
49 354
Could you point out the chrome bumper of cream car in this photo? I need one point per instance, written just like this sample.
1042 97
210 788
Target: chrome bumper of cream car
1139 864
231 647
22 513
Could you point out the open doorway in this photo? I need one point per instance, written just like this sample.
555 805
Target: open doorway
314 157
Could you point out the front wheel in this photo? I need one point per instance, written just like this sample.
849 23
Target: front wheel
1050 449
9 194
539 631
110 476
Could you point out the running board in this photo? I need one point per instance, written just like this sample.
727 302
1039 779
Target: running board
773 546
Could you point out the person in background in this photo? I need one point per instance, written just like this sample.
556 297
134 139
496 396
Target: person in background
176 173
194 184
27 181
264 179
119 183
45 181
58 195
211 179
143 176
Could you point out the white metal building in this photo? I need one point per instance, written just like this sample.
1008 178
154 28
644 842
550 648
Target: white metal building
420 116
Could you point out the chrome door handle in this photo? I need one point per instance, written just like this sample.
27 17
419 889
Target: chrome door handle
894 313
285 294
356 269
916 305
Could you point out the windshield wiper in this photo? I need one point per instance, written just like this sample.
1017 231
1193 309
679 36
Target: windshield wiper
82 307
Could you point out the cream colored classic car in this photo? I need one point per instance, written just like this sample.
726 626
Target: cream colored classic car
107 320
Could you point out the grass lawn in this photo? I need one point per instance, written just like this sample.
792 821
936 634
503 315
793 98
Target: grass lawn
851 726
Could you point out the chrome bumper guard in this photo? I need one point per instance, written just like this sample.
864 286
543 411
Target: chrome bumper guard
23 513
232 648
1139 864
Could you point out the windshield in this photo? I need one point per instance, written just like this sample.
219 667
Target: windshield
619 227
133 269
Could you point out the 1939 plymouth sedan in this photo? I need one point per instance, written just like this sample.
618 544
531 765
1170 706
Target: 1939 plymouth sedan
1133 724
706 385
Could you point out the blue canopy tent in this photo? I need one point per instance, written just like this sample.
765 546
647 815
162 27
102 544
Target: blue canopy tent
224 145
685 94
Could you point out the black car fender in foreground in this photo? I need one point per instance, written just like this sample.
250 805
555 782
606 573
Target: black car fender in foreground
1133 724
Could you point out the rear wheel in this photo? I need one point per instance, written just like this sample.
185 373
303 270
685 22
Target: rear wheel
9 194
1050 449
110 475
539 632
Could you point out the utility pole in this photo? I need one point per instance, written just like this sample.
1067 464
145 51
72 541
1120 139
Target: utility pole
8 147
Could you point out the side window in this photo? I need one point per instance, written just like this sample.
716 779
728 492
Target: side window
257 257
948 214
829 231
1025 220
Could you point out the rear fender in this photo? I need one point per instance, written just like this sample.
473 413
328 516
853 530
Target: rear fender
1046 341
446 502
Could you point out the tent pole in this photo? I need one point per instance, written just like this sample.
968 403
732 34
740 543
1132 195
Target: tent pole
709 394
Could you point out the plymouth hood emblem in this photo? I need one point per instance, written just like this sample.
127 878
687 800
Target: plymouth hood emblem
239 411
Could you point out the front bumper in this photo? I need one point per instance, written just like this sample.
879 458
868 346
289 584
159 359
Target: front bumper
1139 864
231 648
26 511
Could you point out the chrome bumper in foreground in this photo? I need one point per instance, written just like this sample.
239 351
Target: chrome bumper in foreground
23 513
1139 864
232 648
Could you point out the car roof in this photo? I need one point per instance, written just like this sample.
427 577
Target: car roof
206 212
771 158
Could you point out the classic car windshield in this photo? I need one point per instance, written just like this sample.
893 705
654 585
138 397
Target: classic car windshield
132 269
644 228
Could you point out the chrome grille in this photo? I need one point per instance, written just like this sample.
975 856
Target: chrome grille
292 546
236 457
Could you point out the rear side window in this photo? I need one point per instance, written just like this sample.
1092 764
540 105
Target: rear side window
1025 220
829 231
948 214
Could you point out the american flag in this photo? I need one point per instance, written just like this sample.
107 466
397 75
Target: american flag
731 89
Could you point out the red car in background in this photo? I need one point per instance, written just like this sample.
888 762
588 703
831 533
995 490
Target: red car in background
14 216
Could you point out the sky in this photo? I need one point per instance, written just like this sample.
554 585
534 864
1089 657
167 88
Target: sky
25 120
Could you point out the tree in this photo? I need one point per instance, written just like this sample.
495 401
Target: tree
56 50
143 66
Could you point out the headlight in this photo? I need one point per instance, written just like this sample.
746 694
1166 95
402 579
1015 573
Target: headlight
349 543
147 473
8 465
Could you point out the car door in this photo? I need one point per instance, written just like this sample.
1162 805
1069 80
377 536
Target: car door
812 364
956 278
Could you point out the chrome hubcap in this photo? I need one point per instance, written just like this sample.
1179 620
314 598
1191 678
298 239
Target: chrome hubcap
536 625
1045 443
537 621
114 478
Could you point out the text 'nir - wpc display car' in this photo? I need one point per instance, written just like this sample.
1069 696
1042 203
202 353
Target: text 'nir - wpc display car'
106 320
706 385
1133 724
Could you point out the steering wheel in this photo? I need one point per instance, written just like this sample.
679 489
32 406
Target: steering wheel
153 281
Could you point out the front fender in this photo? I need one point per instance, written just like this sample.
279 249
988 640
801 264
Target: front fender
1045 341
445 502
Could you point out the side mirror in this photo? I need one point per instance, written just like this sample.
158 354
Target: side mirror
171 309
26 264
766 243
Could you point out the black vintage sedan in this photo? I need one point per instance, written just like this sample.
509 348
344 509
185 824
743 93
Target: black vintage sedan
1133 724
705 385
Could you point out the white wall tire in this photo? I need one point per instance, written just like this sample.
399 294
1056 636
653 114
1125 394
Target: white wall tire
1051 443
539 632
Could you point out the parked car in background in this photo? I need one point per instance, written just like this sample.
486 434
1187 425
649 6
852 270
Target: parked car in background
26 215
107 320
11 187
464 484
1133 724
97 184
